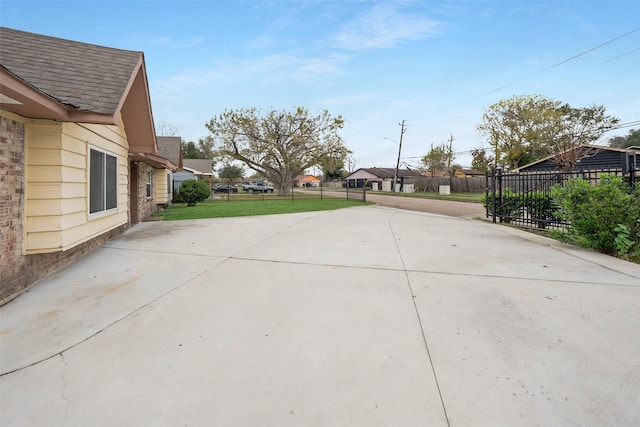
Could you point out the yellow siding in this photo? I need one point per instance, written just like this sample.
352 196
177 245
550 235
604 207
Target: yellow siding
57 206
162 195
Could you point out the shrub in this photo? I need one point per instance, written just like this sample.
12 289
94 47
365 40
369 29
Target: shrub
511 205
596 213
193 191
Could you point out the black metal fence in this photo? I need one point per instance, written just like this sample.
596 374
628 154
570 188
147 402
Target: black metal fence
524 199
229 191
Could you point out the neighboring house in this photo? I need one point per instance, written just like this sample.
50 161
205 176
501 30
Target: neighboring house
380 177
468 173
308 181
202 169
170 148
586 157
77 149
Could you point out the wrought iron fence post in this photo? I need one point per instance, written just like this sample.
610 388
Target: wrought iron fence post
498 187
486 194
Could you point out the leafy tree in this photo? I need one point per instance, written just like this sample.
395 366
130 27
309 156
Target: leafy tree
280 144
229 171
193 191
480 160
519 128
523 129
190 151
576 127
333 168
630 140
203 149
439 158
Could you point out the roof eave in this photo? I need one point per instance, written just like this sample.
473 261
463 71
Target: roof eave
25 100
135 111
153 160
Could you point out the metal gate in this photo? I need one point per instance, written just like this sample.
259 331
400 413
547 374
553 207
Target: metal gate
524 199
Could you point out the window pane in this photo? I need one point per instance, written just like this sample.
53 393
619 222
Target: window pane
112 182
96 181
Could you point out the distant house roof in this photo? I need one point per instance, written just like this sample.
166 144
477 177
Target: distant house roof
473 172
170 147
198 166
591 157
307 178
45 77
383 173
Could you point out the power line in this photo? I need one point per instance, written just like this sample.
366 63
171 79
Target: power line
626 125
572 58
620 56
590 50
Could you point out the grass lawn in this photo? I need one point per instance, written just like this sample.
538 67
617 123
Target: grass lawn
217 209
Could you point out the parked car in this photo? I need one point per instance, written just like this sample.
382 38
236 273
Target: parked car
259 187
225 189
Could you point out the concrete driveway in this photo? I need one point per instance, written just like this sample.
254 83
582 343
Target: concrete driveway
367 316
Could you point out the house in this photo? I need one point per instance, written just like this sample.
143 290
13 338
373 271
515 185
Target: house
586 157
77 148
469 173
170 148
202 169
308 181
380 178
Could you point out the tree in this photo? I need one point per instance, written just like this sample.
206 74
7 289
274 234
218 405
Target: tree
434 160
230 172
206 147
480 160
439 158
166 129
523 129
350 163
193 191
333 168
190 151
203 149
281 144
576 127
519 128
630 140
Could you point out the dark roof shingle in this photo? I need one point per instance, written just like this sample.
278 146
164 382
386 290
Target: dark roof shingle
87 77
170 147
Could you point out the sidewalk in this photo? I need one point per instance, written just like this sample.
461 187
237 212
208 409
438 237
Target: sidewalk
367 316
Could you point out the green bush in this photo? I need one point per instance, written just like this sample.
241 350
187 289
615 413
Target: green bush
596 213
193 191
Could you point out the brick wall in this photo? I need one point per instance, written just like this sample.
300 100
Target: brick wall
17 271
146 206
12 262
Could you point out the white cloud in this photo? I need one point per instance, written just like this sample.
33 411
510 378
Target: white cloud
384 26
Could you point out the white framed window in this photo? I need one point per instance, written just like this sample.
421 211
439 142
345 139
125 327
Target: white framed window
103 181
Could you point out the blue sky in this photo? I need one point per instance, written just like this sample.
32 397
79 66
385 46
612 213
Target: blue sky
434 64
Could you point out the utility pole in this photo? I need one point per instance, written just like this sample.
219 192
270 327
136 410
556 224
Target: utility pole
450 155
395 174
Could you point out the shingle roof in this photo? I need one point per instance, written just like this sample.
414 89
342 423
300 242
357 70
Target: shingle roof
85 76
170 147
390 172
200 165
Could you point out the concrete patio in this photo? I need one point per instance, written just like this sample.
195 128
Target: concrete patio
366 316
